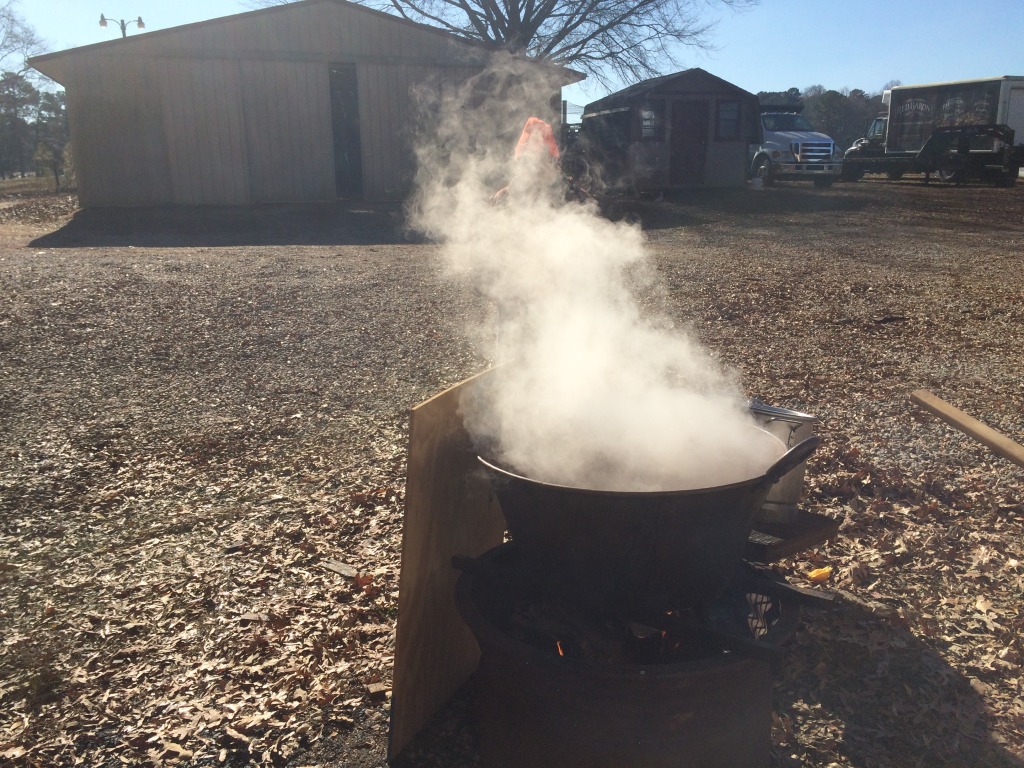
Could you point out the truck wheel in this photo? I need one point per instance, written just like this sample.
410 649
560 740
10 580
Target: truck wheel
763 171
851 174
1009 178
894 175
949 171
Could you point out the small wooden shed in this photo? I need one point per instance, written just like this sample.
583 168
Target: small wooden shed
306 101
689 129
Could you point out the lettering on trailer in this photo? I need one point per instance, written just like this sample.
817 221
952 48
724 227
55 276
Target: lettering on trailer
952 111
983 111
915 105
955 111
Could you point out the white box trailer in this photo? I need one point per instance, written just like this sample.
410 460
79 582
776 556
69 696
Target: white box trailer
957 130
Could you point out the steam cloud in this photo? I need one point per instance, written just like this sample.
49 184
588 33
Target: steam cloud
593 392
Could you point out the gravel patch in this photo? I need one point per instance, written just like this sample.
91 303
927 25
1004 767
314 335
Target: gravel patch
202 485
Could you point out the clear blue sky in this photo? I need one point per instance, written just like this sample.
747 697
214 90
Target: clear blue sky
779 44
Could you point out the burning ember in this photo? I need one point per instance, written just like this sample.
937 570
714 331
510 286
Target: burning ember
560 686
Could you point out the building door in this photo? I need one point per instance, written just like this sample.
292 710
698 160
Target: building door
348 157
1015 113
688 142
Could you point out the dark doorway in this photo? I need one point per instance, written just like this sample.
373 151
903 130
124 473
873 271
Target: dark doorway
348 157
688 144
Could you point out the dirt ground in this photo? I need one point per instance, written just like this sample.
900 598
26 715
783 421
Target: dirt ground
203 464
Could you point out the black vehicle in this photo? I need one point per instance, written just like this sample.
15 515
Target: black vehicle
956 130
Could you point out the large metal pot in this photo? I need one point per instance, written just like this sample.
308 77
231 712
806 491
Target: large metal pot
659 550
790 427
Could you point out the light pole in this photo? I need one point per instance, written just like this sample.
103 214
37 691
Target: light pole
123 24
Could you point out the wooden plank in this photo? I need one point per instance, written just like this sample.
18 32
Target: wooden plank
449 511
236 139
208 121
319 173
190 174
232 177
372 127
258 92
152 167
194 112
176 128
999 443
292 144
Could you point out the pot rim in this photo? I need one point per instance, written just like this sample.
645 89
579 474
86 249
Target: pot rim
752 482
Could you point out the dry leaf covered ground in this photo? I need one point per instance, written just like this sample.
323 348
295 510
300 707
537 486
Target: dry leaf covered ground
204 424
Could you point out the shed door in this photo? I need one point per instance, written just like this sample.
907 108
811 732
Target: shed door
348 156
688 142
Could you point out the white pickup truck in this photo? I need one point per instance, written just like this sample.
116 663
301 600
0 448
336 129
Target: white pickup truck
790 148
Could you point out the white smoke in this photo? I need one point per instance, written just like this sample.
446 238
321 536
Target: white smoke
592 391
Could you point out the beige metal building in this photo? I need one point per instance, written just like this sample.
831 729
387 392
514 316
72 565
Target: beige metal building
299 102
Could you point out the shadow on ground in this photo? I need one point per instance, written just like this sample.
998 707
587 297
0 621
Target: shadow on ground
344 223
751 207
894 701
205 226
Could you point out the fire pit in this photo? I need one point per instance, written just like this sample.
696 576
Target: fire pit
557 686
598 674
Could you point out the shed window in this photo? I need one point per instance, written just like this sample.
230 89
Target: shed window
652 122
728 122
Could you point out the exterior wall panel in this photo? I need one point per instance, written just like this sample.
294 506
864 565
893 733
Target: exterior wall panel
376 118
387 93
287 131
237 110
725 162
203 120
324 30
120 147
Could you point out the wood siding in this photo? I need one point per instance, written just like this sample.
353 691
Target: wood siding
725 162
202 120
287 130
237 110
119 145
322 31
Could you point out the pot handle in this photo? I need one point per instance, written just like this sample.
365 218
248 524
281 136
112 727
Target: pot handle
792 458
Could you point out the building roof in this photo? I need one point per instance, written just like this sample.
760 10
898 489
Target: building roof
59 64
687 81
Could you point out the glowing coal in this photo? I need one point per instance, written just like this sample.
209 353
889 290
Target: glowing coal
593 391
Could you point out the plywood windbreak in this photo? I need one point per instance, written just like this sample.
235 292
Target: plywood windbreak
449 511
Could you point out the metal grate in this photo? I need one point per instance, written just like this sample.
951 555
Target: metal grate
813 151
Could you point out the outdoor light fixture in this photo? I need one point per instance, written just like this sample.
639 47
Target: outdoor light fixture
123 24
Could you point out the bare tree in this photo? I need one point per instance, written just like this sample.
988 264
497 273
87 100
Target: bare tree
627 39
18 40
